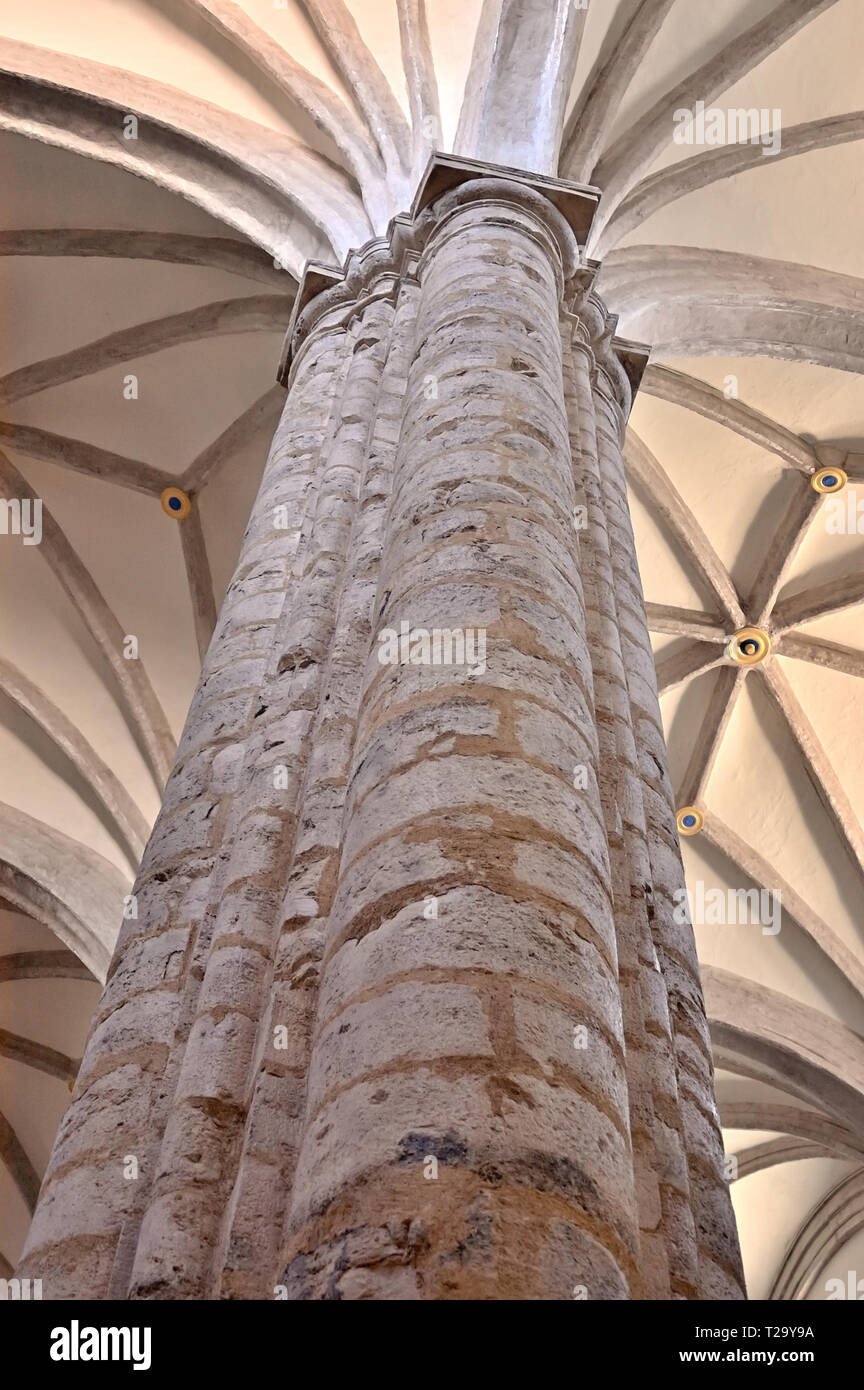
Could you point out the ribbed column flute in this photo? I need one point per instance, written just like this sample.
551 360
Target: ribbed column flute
85 1230
698 1222
252 1229
620 789
204 1133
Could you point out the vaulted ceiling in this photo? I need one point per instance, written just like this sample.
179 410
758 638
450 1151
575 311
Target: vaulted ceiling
169 166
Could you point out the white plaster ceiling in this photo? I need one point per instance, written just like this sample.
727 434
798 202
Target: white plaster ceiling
311 167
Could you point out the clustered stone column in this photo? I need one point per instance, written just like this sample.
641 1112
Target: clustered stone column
405 1011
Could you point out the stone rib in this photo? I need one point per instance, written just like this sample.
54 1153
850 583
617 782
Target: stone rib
828 1228
689 302
633 30
286 173
335 27
775 1151
635 151
810 1125
679 666
419 67
784 545
36 1055
761 1033
86 458
821 652
685 622
700 171
63 884
137 694
199 578
751 863
261 414
42 965
307 93
522 69
827 598
728 686
827 784
693 394
121 808
14 1158
251 314
663 498
176 248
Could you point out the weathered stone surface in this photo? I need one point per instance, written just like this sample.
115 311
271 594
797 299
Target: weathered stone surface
405 1013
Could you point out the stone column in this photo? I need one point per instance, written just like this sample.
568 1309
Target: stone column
405 1012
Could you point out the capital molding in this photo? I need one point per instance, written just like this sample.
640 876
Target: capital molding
617 364
576 202
330 294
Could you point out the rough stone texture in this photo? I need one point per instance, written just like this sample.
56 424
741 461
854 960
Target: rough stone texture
405 1013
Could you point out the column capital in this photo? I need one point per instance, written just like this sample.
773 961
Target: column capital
380 265
619 361
576 202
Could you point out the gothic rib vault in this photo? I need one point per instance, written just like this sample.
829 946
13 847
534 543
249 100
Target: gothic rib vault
287 133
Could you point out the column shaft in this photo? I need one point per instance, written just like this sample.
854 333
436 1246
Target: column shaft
406 1011
450 1036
